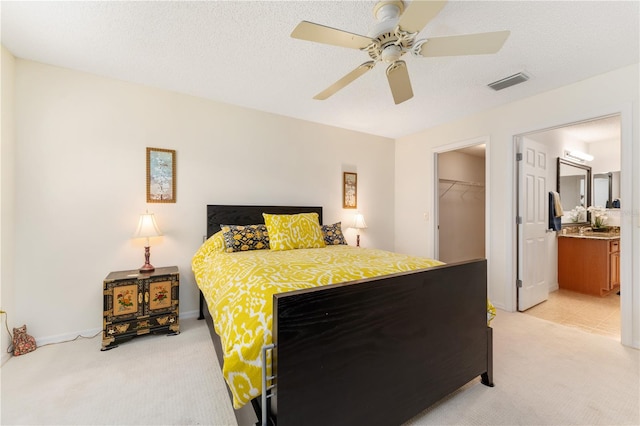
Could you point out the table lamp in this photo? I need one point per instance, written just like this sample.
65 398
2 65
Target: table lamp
147 227
359 224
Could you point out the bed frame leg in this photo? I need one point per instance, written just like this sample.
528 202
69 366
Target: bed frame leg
487 377
257 408
201 316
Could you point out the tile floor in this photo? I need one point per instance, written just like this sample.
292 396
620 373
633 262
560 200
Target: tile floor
599 315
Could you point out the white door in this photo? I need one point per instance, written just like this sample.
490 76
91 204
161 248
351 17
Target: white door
533 202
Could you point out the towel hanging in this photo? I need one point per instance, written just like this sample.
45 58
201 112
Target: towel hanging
557 204
555 221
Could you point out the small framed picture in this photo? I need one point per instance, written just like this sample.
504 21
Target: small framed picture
350 190
161 175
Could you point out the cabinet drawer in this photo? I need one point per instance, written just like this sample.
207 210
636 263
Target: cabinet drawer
123 328
142 325
169 320
614 246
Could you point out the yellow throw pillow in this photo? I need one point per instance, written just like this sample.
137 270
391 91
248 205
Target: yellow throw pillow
293 231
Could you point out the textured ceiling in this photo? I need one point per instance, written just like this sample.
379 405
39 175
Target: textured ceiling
241 53
605 129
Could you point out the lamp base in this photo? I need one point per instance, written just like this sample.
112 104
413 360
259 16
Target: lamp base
147 267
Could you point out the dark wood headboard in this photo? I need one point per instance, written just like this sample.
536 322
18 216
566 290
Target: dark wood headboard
248 215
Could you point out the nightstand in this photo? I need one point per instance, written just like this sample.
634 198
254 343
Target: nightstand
136 304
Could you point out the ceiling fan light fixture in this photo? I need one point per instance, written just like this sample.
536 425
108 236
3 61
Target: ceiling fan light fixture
512 80
391 53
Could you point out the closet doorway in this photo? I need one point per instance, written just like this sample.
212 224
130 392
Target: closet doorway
461 203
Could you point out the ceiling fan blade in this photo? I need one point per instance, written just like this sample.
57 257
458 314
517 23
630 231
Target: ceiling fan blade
399 82
469 44
418 14
344 81
327 35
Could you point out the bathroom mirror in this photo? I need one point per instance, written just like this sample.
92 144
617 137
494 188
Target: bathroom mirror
574 187
602 189
606 189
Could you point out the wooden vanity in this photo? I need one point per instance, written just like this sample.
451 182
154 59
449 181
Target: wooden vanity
589 263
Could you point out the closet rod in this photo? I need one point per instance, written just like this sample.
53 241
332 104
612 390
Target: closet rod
461 182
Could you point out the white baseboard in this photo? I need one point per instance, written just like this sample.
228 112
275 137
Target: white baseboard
190 314
60 338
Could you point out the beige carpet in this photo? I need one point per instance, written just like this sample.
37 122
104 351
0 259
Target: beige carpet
151 380
545 374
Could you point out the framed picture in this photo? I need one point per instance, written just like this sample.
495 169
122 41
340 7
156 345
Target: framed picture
161 175
350 190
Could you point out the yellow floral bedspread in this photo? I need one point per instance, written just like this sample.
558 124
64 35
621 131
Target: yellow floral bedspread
238 288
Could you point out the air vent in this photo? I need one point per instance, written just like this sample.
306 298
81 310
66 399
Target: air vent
512 80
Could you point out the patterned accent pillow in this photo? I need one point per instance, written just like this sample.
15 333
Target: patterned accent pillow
293 231
245 237
333 234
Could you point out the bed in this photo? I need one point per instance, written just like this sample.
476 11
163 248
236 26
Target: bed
373 351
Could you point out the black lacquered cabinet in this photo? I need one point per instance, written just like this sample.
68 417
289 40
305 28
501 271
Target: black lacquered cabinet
140 303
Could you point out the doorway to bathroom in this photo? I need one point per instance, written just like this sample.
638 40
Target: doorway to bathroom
600 139
461 202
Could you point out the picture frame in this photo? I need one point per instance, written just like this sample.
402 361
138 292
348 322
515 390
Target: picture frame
350 190
161 175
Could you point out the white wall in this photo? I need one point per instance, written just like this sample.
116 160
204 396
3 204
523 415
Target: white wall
7 198
604 94
80 184
80 175
606 156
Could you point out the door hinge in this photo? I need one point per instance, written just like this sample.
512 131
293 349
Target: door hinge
519 156
518 220
519 283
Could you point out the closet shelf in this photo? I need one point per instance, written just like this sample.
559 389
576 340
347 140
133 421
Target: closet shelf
453 183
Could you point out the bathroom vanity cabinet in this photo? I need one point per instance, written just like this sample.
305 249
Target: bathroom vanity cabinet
589 264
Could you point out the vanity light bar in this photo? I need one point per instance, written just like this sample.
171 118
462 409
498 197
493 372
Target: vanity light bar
579 156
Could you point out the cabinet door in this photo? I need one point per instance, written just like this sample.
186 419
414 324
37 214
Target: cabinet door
123 300
614 278
161 294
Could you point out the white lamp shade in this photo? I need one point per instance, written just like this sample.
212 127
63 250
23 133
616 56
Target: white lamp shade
147 227
359 222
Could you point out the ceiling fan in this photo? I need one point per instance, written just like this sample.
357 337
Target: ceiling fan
394 35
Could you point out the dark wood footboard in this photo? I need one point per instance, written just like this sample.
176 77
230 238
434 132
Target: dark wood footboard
380 351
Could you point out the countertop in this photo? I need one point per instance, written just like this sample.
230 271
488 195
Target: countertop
593 235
